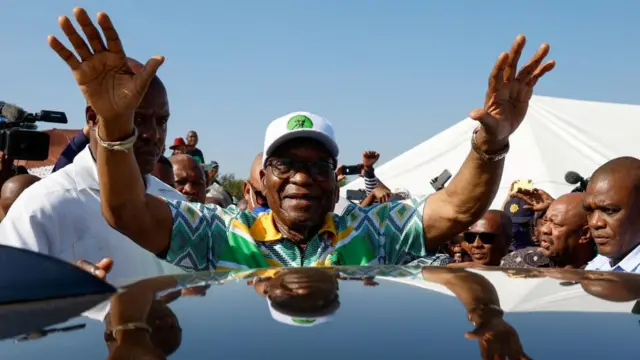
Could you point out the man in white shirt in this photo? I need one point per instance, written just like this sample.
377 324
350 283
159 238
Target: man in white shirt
61 214
613 204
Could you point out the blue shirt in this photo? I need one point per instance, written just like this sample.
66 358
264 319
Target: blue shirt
630 264
75 146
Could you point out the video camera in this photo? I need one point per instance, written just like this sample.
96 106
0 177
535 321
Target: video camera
18 138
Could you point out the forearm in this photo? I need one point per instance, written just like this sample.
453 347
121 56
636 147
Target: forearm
473 189
470 193
370 180
122 189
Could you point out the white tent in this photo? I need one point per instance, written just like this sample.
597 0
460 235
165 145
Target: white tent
556 136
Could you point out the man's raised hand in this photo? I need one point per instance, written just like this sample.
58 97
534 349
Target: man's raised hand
101 70
507 98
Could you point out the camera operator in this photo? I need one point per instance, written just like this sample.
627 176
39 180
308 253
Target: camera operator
18 141
40 219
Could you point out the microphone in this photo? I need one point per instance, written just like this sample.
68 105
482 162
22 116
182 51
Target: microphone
573 178
15 115
12 113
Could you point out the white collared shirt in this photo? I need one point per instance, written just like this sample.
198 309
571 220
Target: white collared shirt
60 216
630 263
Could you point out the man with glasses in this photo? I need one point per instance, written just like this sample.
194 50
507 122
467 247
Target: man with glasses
298 178
256 202
487 241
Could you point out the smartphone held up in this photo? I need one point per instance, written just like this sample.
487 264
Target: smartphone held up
351 170
441 180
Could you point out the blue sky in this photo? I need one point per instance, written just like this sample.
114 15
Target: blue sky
387 74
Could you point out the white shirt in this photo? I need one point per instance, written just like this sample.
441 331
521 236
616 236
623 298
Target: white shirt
630 263
60 216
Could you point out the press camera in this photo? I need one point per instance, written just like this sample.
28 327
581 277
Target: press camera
19 139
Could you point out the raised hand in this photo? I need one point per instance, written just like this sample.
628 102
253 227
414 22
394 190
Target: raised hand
507 98
101 71
538 199
369 158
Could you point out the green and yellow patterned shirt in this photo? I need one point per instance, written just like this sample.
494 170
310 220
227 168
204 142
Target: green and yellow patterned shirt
206 237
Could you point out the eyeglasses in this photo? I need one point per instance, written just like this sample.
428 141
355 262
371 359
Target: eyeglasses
485 237
286 168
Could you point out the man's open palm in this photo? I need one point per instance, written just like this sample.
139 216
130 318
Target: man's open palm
509 91
102 73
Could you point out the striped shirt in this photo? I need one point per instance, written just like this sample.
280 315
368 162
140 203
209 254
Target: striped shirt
206 237
370 182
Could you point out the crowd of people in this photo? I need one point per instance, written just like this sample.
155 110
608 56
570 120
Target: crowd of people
179 212
113 194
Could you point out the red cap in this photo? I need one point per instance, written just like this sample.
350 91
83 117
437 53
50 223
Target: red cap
177 142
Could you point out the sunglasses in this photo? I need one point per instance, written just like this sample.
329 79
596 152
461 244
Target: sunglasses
287 168
485 237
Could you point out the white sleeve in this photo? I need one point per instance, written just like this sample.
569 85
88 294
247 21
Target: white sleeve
32 224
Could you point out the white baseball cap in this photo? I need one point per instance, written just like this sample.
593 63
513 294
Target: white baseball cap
299 124
297 321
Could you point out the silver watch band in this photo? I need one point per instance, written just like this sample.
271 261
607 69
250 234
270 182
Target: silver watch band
483 155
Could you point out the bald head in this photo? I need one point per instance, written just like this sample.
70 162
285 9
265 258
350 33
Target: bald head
624 171
12 188
256 166
501 220
617 165
571 207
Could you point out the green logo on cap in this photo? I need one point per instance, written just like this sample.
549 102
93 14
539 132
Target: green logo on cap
299 122
304 321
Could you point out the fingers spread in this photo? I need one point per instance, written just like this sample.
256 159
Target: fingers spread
541 71
76 40
64 53
527 71
113 40
514 57
496 79
90 31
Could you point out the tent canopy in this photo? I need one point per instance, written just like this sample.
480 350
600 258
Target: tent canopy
556 136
